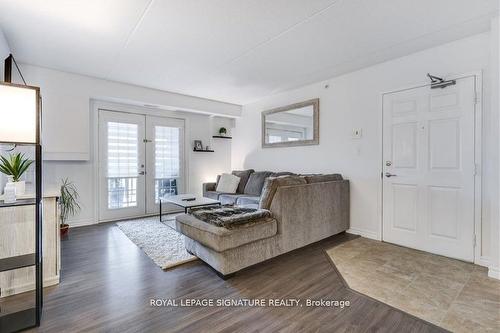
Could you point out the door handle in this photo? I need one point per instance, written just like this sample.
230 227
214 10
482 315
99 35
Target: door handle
142 173
389 175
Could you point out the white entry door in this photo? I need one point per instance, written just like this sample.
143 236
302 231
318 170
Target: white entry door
429 169
140 159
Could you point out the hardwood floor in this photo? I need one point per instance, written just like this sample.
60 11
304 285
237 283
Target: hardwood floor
107 284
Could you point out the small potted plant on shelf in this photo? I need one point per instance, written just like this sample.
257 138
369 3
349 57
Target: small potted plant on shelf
14 166
68 202
222 131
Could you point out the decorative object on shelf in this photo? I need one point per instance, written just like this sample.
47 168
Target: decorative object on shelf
222 131
198 145
15 166
207 148
9 193
68 202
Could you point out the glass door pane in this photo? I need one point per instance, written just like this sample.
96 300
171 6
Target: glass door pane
121 165
165 159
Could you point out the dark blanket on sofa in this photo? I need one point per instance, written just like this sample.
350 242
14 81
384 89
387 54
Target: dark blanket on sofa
229 216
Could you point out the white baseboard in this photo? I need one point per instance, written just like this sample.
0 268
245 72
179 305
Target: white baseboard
91 221
483 261
494 272
81 223
364 233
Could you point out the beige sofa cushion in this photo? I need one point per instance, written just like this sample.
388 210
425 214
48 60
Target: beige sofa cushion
221 239
311 179
271 185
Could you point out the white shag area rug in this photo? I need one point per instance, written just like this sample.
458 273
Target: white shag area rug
163 244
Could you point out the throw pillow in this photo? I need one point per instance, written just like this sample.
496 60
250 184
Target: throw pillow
243 178
228 183
255 182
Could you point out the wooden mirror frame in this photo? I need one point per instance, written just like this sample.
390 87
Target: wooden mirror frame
313 141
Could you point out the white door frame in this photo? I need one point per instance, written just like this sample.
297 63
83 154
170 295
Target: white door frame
478 130
95 106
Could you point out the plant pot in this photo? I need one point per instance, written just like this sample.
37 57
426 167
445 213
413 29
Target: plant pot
64 229
20 187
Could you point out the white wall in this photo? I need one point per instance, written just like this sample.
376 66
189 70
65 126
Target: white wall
4 52
354 101
66 100
494 270
68 134
202 167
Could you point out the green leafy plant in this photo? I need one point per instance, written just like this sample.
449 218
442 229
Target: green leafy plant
15 165
222 131
68 200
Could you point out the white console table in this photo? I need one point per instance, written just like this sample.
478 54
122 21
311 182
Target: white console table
17 234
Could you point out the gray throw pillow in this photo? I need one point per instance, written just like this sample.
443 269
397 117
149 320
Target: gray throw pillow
256 182
244 175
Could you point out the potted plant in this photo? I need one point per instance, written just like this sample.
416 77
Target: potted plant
222 131
68 202
14 166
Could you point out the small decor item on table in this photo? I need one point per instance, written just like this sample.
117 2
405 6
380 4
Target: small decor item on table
15 166
207 148
222 131
68 202
198 145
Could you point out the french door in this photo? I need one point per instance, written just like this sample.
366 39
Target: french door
429 169
141 158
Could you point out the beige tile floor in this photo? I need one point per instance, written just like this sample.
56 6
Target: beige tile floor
456 295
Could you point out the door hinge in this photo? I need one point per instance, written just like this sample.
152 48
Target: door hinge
476 169
475 242
146 140
476 98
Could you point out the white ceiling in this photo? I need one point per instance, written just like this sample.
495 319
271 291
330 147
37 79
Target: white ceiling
230 50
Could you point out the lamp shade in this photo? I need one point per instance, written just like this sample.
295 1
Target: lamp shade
18 113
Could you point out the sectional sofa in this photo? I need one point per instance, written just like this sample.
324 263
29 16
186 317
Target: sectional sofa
305 209
249 189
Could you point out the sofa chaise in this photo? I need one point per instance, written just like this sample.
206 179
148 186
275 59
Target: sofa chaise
304 210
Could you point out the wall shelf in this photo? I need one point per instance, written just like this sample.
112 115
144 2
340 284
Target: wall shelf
19 202
11 263
18 321
222 137
203 151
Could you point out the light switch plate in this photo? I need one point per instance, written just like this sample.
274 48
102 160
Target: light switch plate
357 133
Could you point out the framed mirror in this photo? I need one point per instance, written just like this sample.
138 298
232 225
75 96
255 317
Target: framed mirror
291 125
